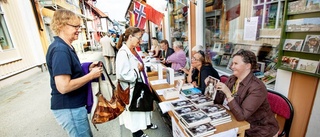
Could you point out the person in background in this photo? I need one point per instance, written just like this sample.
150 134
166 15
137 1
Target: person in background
159 34
115 39
155 48
128 63
108 53
145 41
67 80
178 58
246 96
166 52
200 69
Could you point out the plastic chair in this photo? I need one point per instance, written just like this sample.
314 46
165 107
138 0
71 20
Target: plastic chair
281 106
224 78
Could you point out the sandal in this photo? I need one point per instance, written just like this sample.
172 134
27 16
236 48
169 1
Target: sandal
152 126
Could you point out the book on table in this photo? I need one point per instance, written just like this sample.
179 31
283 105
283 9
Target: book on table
201 130
190 91
187 86
171 93
194 119
195 96
184 110
203 101
220 118
213 109
181 103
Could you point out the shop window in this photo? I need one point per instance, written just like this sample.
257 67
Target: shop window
179 22
270 13
5 40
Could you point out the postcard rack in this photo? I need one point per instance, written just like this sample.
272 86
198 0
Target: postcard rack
301 25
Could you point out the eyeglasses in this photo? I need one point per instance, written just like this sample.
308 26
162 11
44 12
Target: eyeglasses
75 26
194 59
139 38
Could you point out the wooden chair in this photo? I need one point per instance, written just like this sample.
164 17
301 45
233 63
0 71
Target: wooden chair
281 106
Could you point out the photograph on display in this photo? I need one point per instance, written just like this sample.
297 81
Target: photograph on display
296 6
311 44
305 24
307 65
313 5
216 47
289 62
293 44
224 60
210 90
228 48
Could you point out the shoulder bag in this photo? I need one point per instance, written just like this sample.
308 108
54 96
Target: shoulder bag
124 94
107 110
142 98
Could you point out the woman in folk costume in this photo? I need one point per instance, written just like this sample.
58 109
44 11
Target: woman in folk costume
128 62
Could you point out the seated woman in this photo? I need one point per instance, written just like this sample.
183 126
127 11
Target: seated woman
200 69
246 96
155 48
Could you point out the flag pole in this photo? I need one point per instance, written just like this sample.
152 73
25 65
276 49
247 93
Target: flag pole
149 38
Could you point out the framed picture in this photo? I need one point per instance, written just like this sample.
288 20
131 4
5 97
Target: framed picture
216 47
313 5
224 60
293 44
289 62
307 65
311 44
304 25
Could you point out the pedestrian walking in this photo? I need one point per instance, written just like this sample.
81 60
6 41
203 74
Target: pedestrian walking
108 53
67 80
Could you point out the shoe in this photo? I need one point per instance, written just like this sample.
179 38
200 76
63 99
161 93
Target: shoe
144 135
152 126
113 74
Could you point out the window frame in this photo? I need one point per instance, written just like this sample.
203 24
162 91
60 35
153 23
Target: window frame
6 32
264 4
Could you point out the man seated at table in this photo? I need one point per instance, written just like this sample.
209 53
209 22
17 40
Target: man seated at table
200 69
166 52
178 58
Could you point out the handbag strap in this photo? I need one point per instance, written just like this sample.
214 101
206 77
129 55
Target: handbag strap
138 76
105 70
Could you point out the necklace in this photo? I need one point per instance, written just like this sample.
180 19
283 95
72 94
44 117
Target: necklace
234 88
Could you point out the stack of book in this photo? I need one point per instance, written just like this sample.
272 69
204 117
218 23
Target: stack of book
213 109
194 119
181 103
184 110
201 130
220 118
202 101
195 96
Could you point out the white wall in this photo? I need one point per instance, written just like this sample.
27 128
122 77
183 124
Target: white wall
283 82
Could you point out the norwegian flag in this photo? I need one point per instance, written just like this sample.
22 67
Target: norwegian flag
139 14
